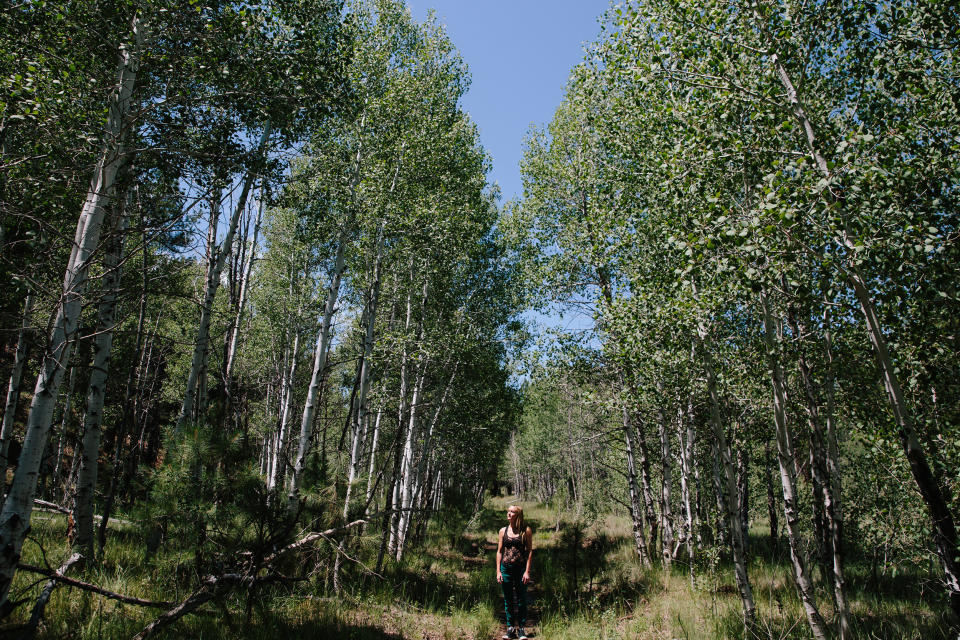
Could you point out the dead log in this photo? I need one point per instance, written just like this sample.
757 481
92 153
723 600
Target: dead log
207 591
53 507
37 614
211 587
86 586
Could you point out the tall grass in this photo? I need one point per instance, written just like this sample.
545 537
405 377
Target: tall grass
588 584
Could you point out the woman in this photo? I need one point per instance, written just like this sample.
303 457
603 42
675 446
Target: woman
514 559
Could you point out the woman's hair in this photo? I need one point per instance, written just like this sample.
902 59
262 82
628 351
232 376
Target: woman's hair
521 527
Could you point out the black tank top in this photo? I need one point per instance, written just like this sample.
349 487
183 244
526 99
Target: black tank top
514 550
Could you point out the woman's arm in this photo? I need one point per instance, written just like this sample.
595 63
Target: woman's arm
528 540
499 555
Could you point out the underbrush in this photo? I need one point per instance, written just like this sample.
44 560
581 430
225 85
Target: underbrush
588 584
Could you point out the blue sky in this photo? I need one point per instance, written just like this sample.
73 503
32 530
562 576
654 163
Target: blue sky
520 54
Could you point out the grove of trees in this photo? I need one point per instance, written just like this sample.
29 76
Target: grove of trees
285 307
261 308
757 204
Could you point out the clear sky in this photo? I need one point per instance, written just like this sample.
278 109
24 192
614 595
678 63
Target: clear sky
520 53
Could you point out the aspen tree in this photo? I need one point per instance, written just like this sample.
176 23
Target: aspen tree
17 508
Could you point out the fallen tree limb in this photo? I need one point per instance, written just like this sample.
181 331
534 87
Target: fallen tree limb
51 506
86 586
212 587
310 538
44 505
37 614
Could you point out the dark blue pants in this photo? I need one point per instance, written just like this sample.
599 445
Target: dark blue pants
514 593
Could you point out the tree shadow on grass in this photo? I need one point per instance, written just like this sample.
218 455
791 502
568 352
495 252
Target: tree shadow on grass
436 591
326 629
577 572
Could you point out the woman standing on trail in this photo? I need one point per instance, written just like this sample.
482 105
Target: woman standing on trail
514 559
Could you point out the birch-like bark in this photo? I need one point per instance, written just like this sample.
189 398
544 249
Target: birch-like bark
373 455
322 347
201 348
13 388
636 508
786 458
390 531
405 486
96 392
407 476
360 412
316 377
638 446
727 497
244 286
823 465
646 485
835 511
17 508
666 483
272 439
743 487
427 448
277 461
686 434
944 525
945 532
771 496
64 426
275 444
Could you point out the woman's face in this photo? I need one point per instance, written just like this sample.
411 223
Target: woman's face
512 514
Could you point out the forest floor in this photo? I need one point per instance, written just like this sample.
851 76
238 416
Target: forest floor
587 586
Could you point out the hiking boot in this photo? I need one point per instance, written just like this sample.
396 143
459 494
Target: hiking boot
510 634
521 634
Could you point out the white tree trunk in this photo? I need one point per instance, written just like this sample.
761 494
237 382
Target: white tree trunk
427 448
786 457
201 347
395 482
727 496
944 525
834 511
666 484
13 389
373 453
824 467
636 508
96 392
642 455
244 286
360 409
278 462
686 434
407 476
17 508
316 377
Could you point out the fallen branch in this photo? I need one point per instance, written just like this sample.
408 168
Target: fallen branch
50 506
44 505
37 614
310 538
86 586
212 587
211 584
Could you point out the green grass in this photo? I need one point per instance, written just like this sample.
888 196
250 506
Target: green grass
446 589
